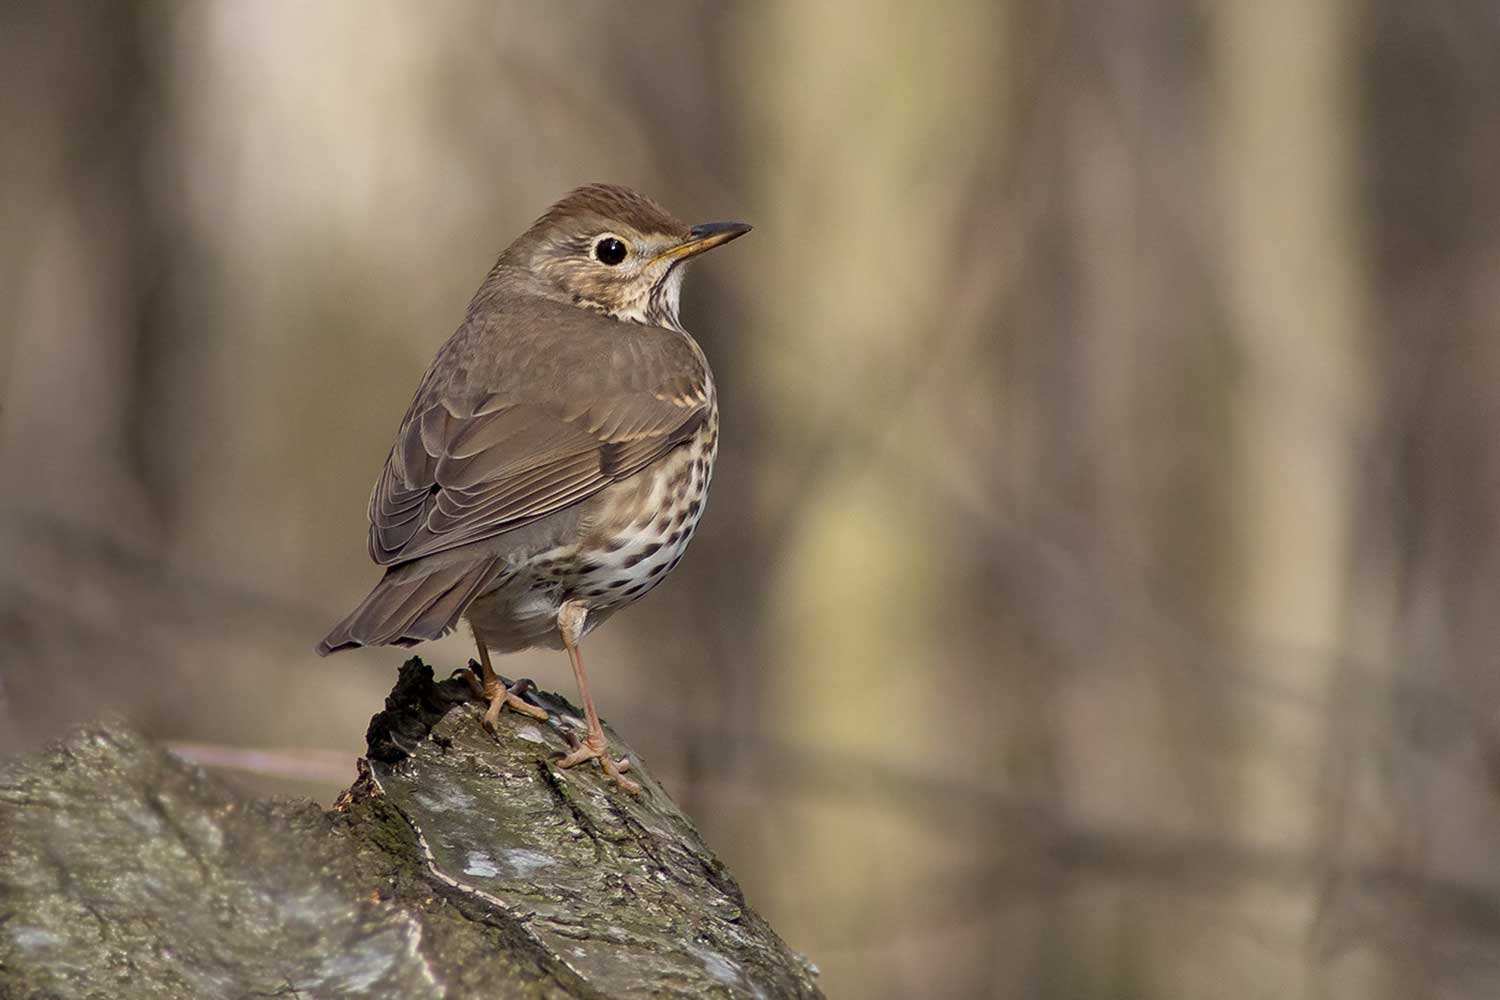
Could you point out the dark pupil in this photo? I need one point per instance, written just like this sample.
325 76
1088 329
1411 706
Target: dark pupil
610 251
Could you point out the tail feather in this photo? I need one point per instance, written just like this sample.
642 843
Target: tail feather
411 604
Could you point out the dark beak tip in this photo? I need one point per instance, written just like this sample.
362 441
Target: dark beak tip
724 230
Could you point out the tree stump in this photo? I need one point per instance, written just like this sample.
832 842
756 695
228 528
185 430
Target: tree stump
461 863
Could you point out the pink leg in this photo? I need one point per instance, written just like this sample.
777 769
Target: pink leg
594 746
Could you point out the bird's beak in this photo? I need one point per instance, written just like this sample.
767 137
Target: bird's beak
704 237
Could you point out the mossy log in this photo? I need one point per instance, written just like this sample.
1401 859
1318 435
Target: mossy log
461 863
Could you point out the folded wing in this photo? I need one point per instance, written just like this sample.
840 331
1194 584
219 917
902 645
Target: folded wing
478 456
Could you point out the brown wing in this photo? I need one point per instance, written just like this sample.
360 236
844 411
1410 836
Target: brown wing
525 413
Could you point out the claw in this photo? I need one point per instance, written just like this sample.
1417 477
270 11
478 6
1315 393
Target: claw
592 748
513 700
500 696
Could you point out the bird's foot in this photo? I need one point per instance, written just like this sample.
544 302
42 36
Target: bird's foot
500 696
595 747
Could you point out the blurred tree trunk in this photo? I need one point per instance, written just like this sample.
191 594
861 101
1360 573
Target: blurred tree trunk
82 282
861 356
1120 349
1296 287
81 288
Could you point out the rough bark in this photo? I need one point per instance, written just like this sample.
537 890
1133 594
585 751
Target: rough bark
462 863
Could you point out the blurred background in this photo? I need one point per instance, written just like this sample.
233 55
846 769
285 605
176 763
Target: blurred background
1100 592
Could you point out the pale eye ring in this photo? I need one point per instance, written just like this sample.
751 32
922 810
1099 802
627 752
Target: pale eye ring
610 250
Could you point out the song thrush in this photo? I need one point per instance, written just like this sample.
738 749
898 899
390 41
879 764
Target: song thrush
555 460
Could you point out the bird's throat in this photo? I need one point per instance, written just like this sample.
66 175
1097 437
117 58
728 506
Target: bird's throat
656 305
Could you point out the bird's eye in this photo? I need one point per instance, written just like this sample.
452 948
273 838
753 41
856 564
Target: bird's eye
609 251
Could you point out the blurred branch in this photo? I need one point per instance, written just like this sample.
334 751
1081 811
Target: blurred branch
1213 653
292 764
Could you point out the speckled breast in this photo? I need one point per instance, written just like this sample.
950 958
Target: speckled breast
642 534
633 537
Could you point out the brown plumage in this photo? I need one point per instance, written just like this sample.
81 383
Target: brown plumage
555 460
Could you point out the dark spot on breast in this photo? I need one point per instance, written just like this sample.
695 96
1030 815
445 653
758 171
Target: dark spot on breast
586 567
634 590
672 538
596 592
674 562
616 544
645 553
694 508
617 584
658 569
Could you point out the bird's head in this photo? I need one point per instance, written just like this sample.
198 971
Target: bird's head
609 249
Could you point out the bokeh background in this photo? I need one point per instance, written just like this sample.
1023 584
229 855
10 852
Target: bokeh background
1100 592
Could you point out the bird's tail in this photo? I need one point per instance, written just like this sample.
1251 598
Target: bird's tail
411 604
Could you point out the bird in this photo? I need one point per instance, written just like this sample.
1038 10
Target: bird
556 458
